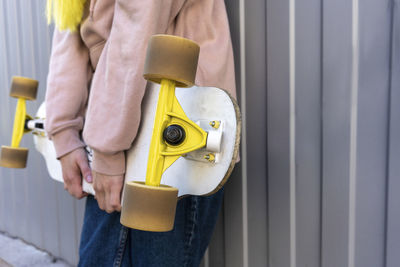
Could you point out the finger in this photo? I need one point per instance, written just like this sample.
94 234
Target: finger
75 186
113 199
85 169
76 190
72 174
100 200
79 195
98 189
65 180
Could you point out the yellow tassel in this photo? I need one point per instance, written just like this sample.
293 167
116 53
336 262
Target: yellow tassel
66 14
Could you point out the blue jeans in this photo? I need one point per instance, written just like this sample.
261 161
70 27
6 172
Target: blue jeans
105 242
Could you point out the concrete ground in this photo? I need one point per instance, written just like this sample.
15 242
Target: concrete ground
15 252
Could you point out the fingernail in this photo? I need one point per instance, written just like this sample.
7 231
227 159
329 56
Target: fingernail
89 178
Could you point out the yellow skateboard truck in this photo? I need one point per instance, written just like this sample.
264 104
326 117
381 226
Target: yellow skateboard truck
14 156
172 62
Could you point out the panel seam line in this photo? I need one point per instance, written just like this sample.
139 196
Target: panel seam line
292 129
244 135
353 132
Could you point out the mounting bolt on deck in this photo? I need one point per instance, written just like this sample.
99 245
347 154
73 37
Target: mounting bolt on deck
215 124
210 157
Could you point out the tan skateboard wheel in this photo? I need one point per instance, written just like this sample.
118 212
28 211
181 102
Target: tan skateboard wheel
171 57
22 87
13 157
149 208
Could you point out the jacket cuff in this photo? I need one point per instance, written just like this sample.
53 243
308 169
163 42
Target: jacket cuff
109 164
66 141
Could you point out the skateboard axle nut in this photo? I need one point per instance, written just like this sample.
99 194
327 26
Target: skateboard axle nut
174 134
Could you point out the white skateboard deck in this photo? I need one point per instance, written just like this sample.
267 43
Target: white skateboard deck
192 174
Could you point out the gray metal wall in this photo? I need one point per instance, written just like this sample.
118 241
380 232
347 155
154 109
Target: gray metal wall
319 179
32 206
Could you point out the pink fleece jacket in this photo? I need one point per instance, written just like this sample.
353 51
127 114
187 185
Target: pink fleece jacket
95 84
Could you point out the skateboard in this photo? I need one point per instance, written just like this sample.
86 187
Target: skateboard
187 142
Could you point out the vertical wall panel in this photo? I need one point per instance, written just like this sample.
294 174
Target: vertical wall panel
336 86
256 131
372 133
217 245
234 210
393 197
308 82
278 104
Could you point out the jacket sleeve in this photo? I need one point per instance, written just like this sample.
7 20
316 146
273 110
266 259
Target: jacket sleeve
67 91
118 86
